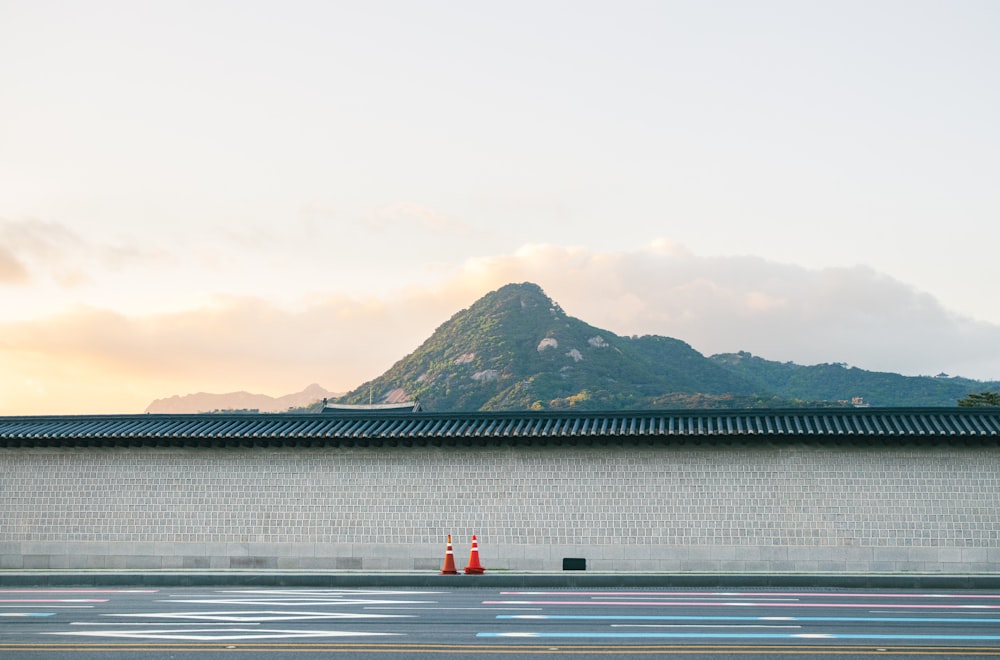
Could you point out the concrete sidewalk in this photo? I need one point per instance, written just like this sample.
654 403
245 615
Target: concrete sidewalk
494 579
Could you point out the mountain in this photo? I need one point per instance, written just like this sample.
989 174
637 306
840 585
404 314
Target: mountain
515 349
838 381
204 402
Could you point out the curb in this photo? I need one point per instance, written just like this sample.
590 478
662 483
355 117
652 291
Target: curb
491 580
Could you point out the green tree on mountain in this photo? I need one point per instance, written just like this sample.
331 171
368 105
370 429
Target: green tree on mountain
516 349
980 400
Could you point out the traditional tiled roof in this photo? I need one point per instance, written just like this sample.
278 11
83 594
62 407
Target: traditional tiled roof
837 426
347 408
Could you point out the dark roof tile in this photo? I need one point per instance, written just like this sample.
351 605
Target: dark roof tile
930 424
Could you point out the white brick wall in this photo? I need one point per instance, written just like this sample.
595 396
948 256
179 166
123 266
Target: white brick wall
621 508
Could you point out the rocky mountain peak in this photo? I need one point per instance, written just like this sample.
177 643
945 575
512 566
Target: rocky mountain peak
515 348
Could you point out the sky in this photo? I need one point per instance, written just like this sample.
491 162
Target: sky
243 195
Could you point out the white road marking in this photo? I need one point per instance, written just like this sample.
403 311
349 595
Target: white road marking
78 591
323 592
54 600
691 625
159 624
761 594
997 614
53 607
462 609
221 634
262 615
292 602
694 599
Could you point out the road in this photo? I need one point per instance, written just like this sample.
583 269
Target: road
87 624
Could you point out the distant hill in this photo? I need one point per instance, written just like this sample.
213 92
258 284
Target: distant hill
515 349
204 402
838 381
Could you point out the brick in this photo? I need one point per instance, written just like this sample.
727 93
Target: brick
769 509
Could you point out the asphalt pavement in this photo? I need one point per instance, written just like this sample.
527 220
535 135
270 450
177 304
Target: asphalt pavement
492 579
447 622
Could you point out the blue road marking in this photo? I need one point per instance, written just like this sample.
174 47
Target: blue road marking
27 613
757 619
692 635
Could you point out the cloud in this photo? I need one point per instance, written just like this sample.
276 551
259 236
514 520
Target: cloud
234 344
96 360
34 249
12 270
415 216
778 311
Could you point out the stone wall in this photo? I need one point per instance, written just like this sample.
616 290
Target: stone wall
629 508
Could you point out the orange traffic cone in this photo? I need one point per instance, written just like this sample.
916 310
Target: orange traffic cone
449 560
474 568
